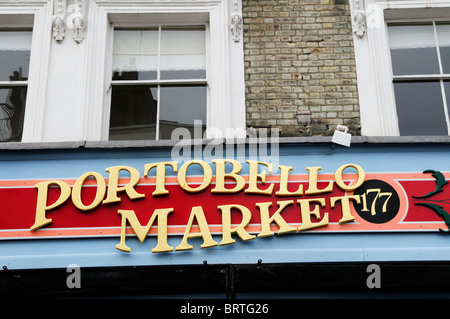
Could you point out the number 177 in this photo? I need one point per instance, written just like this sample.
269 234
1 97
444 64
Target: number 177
378 195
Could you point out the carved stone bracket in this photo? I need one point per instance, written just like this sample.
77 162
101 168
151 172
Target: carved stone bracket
75 21
78 22
59 26
236 22
236 27
359 20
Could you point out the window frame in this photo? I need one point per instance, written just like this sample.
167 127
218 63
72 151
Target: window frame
5 84
226 98
36 15
158 83
434 77
373 61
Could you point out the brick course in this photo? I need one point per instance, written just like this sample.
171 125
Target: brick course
298 56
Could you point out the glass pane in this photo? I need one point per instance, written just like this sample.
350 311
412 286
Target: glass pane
135 55
15 49
183 54
443 34
180 107
420 108
133 113
12 109
413 49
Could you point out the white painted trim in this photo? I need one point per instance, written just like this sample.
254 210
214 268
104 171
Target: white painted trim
98 41
237 85
225 75
377 104
39 60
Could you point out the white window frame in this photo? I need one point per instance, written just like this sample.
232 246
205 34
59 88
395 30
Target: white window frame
20 14
170 20
373 62
225 64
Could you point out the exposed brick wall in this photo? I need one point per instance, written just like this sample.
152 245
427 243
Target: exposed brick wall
299 57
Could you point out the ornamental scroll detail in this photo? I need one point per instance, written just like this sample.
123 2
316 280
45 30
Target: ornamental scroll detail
359 20
59 26
70 16
435 205
236 22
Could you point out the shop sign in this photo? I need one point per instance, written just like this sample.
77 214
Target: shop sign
221 201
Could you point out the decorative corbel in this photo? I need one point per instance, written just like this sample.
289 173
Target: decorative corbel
58 24
79 26
359 20
236 22
74 21
236 27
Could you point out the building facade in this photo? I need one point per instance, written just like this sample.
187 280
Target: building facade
193 148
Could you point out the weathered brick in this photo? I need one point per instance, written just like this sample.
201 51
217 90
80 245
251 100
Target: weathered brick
298 55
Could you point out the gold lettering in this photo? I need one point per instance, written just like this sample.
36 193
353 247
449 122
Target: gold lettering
345 204
113 184
221 176
240 229
198 214
41 206
276 217
339 181
99 195
284 179
312 187
160 175
253 177
207 176
306 213
141 233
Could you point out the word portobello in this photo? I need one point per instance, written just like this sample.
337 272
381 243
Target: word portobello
107 193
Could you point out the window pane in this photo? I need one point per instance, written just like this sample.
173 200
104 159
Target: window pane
133 113
443 34
12 109
180 107
420 108
413 49
15 49
135 55
183 54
